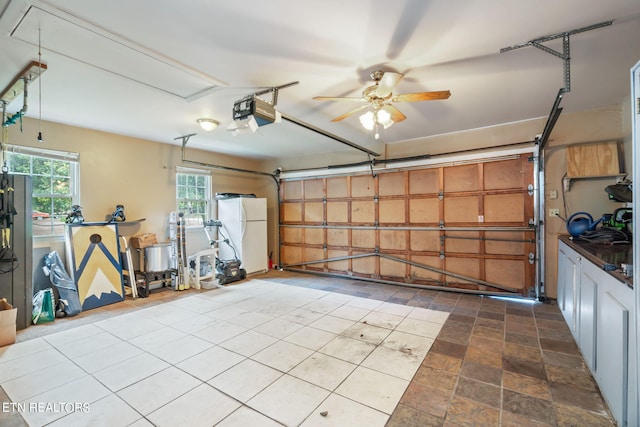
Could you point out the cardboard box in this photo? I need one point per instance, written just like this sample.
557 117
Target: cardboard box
143 240
7 323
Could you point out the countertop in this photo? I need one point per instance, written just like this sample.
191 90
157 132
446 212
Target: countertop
602 253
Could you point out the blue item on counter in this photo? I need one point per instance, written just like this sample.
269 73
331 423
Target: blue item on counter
580 222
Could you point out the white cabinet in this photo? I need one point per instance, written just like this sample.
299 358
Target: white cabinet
599 310
568 289
590 281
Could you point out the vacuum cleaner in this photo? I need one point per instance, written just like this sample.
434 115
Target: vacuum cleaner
227 271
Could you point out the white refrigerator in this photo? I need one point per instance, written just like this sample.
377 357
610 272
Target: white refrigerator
244 223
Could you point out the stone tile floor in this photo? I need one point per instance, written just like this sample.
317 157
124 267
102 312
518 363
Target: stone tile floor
494 361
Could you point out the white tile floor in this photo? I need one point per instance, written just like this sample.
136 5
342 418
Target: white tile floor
253 354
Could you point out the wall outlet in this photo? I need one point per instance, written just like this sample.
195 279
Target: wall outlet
554 212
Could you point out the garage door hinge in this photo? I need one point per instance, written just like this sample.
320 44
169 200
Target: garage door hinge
532 258
375 199
441 224
530 189
376 250
441 254
531 159
441 240
324 248
440 195
532 223
324 200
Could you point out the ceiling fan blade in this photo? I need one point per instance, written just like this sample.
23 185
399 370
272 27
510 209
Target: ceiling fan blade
349 113
422 96
339 98
396 115
386 84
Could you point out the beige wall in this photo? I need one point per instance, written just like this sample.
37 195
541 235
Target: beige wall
140 174
136 173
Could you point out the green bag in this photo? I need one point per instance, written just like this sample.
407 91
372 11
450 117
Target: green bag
43 310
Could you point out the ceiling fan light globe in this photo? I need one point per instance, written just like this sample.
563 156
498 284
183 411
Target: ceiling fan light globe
368 120
384 118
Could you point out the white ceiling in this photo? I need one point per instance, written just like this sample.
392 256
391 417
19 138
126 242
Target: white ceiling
150 68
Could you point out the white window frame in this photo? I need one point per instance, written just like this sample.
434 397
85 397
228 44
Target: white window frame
74 184
194 219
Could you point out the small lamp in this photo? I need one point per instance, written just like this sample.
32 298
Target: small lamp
208 124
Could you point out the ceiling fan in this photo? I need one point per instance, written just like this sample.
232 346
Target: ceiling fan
378 99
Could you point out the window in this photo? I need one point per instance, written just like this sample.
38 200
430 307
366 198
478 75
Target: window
193 195
54 179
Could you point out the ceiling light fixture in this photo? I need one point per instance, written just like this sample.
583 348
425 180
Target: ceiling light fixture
371 120
208 124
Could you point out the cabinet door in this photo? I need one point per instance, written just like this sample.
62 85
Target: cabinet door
589 282
569 286
612 354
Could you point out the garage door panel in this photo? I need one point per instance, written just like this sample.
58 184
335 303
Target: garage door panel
390 239
366 265
363 238
314 212
315 254
425 181
292 212
504 174
506 243
314 236
338 187
391 184
391 268
292 190
423 273
363 186
313 189
461 209
461 178
462 242
337 237
392 211
424 211
424 241
510 273
291 254
469 267
363 211
504 208
336 266
291 235
337 212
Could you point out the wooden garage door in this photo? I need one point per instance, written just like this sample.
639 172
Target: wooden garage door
464 226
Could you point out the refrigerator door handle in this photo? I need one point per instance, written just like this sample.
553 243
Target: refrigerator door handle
243 219
243 214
